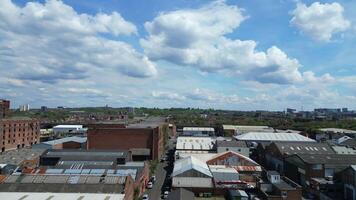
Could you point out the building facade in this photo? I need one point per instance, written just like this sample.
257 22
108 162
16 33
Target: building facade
4 108
18 133
143 142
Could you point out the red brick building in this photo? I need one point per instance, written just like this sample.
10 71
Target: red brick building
4 108
144 141
17 133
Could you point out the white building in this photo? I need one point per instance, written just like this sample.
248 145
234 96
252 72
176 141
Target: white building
190 172
68 129
272 137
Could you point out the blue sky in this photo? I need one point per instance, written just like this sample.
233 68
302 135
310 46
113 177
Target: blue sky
239 55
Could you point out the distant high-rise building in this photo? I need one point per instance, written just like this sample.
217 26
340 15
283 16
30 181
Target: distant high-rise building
4 108
24 108
44 108
345 110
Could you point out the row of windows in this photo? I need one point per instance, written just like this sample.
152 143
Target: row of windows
19 135
14 141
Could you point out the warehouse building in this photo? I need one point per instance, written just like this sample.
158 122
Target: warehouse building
238 130
145 140
68 129
64 143
273 137
198 131
16 133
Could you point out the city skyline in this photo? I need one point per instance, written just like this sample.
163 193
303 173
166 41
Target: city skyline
236 55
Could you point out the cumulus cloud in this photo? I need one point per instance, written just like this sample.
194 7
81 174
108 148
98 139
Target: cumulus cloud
197 37
168 95
51 41
320 21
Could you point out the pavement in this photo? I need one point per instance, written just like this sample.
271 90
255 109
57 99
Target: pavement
162 173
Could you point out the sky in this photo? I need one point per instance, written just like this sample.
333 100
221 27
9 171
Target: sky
232 54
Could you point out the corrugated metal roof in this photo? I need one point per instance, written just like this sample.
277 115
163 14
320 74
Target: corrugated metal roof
271 136
236 127
198 129
195 143
67 139
189 163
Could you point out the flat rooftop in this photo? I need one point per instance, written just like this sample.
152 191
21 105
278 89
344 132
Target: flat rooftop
150 122
15 157
84 154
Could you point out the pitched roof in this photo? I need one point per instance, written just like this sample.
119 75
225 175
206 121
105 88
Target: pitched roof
271 136
67 139
188 163
224 154
289 148
231 143
335 159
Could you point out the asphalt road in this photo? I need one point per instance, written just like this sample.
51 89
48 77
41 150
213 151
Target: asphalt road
163 170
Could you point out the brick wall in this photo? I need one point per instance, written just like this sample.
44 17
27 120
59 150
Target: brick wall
16 134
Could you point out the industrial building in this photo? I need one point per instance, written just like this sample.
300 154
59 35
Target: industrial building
238 130
74 142
233 145
81 171
276 152
272 136
198 131
63 129
18 133
145 140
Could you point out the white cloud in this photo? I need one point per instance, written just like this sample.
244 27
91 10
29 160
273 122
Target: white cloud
320 21
197 37
51 41
168 95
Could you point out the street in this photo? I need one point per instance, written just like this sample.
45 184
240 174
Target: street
163 170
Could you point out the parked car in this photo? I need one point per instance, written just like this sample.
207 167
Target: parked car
145 197
165 194
153 179
149 185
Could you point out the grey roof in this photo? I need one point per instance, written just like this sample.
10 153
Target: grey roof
181 194
189 163
282 185
84 155
150 122
232 143
349 143
272 172
289 148
15 157
335 159
67 139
